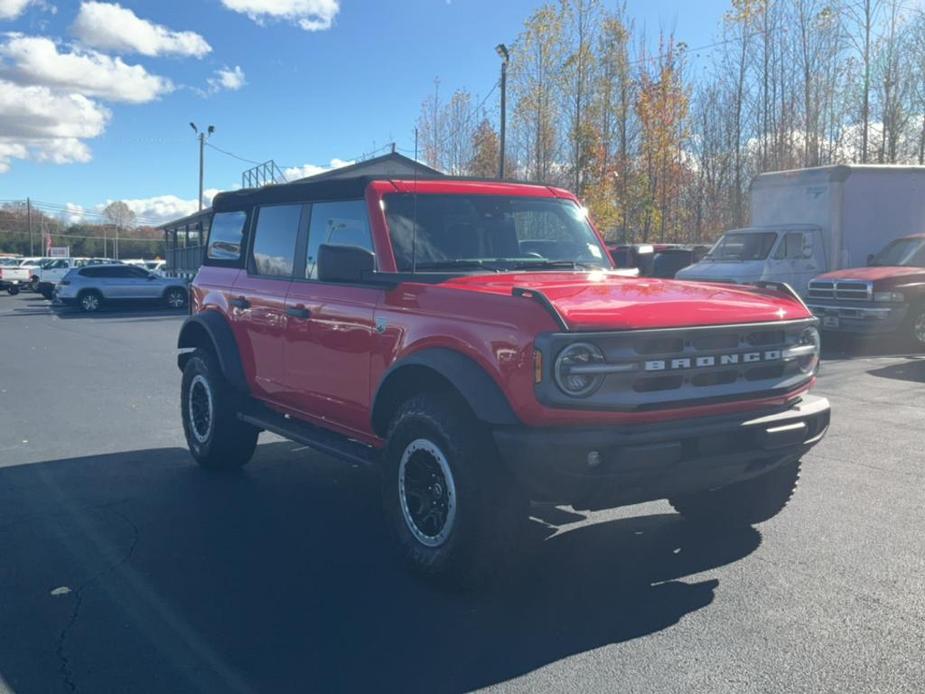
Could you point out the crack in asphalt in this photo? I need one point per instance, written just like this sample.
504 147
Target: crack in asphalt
64 668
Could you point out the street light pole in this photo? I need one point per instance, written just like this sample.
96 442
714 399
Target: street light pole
502 51
202 136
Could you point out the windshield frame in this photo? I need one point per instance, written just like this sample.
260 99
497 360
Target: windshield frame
465 264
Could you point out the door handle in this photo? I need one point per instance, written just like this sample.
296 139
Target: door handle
240 302
298 312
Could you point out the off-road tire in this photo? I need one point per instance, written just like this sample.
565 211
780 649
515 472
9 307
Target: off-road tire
85 300
490 509
222 442
743 503
175 297
915 327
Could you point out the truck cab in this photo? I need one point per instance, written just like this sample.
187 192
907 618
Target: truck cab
791 254
886 297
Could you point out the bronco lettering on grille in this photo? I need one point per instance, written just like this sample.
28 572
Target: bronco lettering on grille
712 360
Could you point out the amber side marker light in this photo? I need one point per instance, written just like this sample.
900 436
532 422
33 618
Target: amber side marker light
537 366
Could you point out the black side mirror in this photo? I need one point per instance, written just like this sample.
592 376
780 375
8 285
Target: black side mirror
344 263
870 259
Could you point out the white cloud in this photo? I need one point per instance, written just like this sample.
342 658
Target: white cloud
38 123
310 15
296 172
113 27
37 61
11 9
163 208
231 79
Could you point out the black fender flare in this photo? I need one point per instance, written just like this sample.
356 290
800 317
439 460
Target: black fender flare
213 326
483 395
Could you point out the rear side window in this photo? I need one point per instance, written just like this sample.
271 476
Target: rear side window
227 236
337 224
275 237
90 272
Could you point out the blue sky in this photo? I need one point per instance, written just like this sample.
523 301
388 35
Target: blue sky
95 104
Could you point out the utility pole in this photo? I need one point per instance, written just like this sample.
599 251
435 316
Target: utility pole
202 136
29 218
502 51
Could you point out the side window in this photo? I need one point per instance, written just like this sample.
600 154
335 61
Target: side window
274 240
90 272
336 224
137 272
791 247
227 236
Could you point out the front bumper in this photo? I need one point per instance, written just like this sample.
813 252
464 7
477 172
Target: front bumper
650 462
860 319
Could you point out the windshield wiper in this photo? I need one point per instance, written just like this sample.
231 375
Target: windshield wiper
540 263
455 264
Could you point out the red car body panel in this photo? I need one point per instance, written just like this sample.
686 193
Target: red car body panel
475 315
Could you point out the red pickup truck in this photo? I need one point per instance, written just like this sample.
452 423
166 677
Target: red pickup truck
886 297
472 342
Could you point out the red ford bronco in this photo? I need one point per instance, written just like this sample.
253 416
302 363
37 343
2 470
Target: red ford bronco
471 340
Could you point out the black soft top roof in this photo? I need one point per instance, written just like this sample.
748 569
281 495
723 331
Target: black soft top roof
331 189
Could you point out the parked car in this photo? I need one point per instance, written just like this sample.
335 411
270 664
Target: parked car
22 275
471 340
887 296
53 271
92 286
666 263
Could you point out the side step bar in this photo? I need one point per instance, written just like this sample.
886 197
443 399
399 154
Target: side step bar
321 440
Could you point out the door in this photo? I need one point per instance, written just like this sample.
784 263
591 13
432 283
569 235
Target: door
329 332
258 303
796 259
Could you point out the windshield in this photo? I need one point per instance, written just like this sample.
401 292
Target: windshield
742 245
492 233
909 252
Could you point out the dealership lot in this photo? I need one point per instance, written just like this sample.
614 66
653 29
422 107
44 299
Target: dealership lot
123 567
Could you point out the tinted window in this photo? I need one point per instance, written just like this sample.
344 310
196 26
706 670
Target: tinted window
137 272
336 224
90 272
227 236
274 240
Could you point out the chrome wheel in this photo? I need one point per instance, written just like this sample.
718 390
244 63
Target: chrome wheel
200 408
918 328
90 302
427 492
176 298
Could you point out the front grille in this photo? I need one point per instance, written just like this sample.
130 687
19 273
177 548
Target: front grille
840 290
666 368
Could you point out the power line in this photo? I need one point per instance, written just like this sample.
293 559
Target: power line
233 155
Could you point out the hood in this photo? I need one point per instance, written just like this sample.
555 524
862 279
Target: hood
873 274
607 301
723 271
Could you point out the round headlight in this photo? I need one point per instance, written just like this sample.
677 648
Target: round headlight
810 362
574 370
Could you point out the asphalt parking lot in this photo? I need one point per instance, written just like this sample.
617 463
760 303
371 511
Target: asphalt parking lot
124 568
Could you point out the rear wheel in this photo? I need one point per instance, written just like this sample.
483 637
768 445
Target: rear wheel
90 301
217 439
454 510
175 297
744 503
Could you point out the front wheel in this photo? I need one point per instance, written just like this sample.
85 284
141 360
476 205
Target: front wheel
916 327
454 510
743 503
215 436
12 290
175 297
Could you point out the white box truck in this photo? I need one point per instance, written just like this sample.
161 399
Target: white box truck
810 221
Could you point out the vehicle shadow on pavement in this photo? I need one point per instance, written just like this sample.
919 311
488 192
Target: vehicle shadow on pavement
913 370
137 572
